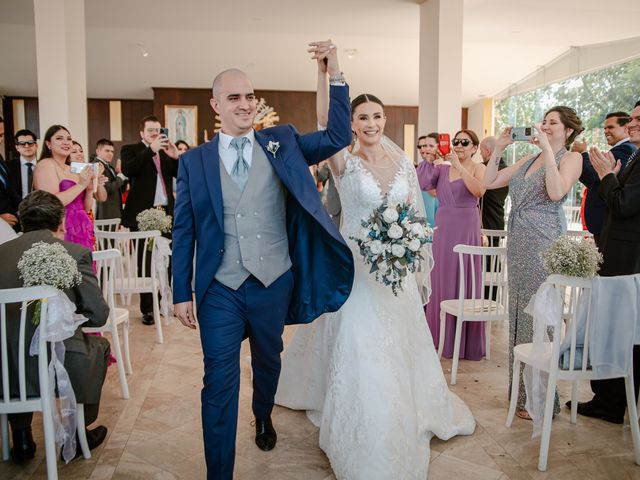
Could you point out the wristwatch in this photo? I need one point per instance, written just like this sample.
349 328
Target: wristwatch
337 79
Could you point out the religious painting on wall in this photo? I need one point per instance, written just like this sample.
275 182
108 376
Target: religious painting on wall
182 122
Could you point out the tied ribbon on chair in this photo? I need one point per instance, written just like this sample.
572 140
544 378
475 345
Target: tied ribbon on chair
62 322
545 308
163 253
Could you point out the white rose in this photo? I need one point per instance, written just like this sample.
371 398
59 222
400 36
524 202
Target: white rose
417 229
397 250
414 245
405 222
390 215
376 247
395 231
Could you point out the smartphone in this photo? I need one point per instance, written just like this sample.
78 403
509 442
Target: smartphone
522 134
165 132
77 167
444 143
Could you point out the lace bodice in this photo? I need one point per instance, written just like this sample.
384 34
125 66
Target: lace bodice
361 191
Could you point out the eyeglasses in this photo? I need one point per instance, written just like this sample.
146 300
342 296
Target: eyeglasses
26 144
465 142
152 130
422 146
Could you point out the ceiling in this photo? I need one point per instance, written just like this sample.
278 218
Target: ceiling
190 41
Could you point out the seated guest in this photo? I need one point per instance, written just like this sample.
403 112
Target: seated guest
42 216
615 131
492 202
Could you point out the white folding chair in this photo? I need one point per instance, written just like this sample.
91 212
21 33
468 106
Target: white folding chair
480 307
106 273
131 279
572 291
497 238
107 225
22 403
572 215
580 234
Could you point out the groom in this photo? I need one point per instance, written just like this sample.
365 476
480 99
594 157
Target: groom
267 252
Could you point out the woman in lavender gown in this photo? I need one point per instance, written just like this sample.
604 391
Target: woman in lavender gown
458 188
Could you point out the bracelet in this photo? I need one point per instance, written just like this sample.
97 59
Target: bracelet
337 79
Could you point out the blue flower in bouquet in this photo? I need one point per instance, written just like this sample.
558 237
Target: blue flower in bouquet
391 240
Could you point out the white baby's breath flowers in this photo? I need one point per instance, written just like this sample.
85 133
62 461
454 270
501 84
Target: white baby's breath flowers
572 258
48 264
154 219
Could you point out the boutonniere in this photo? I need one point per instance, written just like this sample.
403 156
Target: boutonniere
273 147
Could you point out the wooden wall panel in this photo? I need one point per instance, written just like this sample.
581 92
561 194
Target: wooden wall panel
32 121
99 121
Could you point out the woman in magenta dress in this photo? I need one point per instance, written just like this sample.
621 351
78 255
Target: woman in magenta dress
458 187
74 190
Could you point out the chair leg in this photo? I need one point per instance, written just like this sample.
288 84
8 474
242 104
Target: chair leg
574 402
515 387
82 432
487 336
456 351
119 362
5 436
125 341
546 423
443 316
49 441
156 316
633 417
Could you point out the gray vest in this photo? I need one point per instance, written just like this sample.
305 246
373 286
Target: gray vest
255 233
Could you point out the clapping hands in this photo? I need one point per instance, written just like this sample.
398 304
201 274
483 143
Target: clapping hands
604 163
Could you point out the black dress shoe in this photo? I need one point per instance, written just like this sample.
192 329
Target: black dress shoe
24 448
593 410
95 438
147 319
266 436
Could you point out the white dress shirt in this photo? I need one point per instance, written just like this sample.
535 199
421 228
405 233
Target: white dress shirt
24 174
160 198
621 142
229 154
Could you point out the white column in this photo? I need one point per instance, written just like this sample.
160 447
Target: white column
61 66
440 66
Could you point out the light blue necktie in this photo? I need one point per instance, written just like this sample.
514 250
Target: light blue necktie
240 170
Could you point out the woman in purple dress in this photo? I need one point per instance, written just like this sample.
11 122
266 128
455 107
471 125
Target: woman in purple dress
74 190
458 187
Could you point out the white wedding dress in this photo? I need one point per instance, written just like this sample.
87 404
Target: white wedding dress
368 375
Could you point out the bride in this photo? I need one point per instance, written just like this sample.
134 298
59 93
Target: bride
368 375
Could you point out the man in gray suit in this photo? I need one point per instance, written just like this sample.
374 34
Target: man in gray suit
41 215
112 206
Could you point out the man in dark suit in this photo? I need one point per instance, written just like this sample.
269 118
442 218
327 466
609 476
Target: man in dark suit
150 165
8 199
112 206
620 246
21 169
267 252
492 202
42 216
595 209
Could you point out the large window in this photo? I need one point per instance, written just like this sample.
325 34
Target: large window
593 95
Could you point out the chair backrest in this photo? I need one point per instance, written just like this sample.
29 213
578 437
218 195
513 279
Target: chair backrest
108 225
485 267
24 296
134 247
572 215
497 238
579 234
572 291
105 264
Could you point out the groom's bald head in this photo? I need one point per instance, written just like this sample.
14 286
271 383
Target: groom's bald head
226 77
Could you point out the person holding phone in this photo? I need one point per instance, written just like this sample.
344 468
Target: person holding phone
75 190
458 187
538 186
151 164
428 150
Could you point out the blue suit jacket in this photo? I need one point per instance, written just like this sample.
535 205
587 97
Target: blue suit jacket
595 209
322 262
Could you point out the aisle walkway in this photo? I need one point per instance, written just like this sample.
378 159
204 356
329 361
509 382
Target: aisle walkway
157 433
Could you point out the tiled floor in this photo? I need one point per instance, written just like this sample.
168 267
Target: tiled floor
156 434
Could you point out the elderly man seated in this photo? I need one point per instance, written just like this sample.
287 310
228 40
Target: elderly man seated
42 216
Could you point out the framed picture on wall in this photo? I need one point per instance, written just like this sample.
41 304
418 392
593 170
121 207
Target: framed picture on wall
182 122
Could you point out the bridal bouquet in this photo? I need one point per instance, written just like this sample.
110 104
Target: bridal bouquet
48 264
153 219
391 239
572 258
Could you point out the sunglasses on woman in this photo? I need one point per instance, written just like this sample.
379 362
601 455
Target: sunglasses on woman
465 142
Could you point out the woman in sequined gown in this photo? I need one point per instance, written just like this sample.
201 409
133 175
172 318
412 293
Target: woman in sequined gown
369 375
538 186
